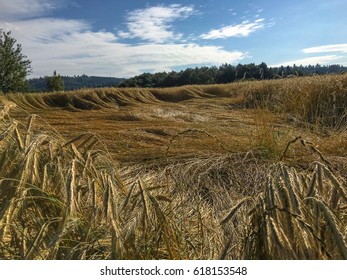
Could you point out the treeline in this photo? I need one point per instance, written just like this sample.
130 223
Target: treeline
76 82
226 73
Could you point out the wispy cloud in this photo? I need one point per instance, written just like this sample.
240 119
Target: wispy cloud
25 8
238 30
342 48
325 59
72 47
44 30
154 24
334 54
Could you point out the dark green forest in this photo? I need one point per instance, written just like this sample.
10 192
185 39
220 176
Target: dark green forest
76 82
227 73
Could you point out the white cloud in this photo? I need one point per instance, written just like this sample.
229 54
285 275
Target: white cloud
70 47
44 30
25 8
327 48
329 58
326 59
154 24
237 30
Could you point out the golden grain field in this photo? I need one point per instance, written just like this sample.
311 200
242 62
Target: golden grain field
248 170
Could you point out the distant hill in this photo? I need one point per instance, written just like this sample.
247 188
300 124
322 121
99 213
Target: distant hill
77 82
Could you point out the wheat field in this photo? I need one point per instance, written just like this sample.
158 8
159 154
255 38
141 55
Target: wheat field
248 170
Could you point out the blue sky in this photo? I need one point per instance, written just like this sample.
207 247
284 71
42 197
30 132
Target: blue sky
123 38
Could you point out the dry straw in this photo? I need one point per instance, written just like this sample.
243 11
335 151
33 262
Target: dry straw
68 199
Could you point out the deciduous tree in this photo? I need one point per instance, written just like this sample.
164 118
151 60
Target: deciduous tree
55 83
14 66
